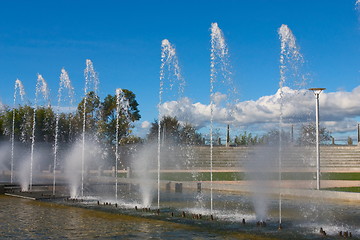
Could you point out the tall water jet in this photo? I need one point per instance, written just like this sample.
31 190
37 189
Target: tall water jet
64 84
41 88
18 87
91 82
219 73
122 106
170 71
290 62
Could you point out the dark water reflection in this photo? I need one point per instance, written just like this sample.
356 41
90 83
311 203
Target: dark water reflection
27 219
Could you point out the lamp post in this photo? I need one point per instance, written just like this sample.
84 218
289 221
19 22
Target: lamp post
317 92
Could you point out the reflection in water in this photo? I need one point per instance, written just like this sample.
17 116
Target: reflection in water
27 219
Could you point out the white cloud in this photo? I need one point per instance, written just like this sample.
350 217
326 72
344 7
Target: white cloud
142 128
340 105
337 110
145 125
218 97
344 126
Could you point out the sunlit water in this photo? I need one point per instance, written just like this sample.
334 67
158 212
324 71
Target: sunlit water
27 219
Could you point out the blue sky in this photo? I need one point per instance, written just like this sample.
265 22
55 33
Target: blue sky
123 40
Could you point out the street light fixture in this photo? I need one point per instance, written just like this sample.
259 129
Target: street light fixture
317 92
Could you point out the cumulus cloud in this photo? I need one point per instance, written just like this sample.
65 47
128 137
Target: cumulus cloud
142 128
218 97
145 125
337 106
338 110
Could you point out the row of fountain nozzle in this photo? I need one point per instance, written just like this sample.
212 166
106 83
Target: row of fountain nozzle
341 233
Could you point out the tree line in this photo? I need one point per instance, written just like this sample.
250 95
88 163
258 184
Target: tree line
100 123
99 116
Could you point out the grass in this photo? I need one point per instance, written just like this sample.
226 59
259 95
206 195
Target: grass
340 176
344 189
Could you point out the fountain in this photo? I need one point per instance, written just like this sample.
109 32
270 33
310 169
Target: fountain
65 84
219 75
251 214
170 71
91 83
122 108
290 63
41 88
18 86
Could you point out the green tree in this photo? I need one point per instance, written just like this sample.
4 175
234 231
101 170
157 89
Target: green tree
100 120
66 131
2 125
172 131
247 139
108 113
169 127
22 118
189 136
273 137
7 119
45 124
91 112
22 123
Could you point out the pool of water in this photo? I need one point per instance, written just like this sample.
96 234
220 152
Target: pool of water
28 219
59 219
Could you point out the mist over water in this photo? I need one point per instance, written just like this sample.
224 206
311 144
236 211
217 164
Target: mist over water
4 156
72 168
23 173
260 168
78 179
144 164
